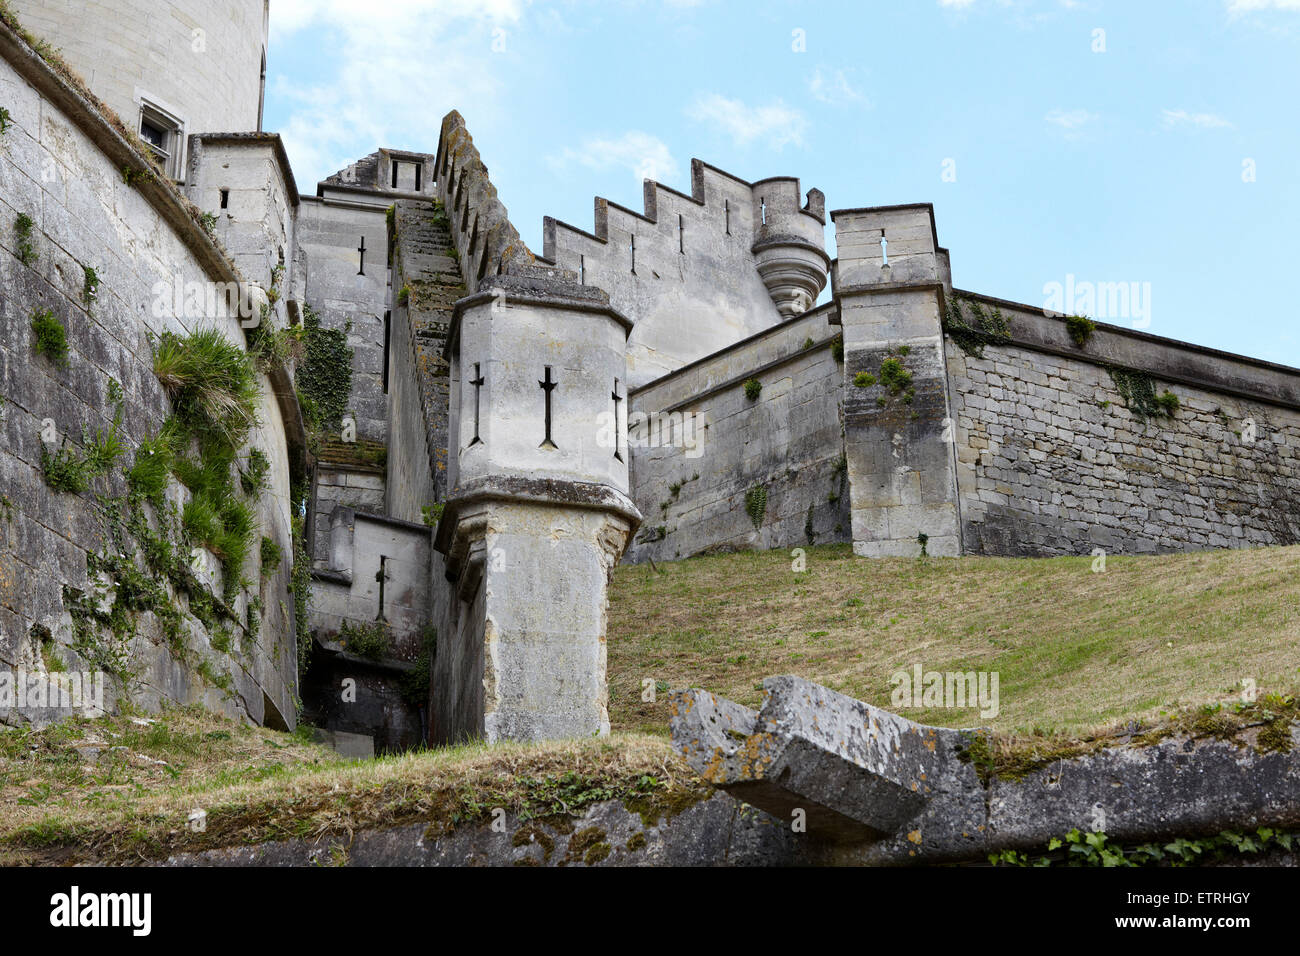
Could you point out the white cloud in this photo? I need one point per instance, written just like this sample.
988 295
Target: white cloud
1070 119
646 156
380 75
956 4
774 124
833 86
1238 7
1181 118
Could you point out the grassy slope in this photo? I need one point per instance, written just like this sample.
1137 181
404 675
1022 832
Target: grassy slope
61 803
1076 651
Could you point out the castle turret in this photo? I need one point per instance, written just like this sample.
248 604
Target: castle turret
539 513
790 244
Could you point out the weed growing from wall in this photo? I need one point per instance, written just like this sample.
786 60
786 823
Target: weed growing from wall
272 556
1095 849
414 685
753 388
5 122
89 285
23 247
371 641
894 375
214 391
984 328
1080 329
67 471
256 477
50 338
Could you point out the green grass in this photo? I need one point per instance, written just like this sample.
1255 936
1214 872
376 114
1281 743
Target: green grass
117 791
50 339
211 381
1076 651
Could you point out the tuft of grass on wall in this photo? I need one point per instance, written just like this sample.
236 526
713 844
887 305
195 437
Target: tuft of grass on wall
1080 329
23 247
211 381
51 339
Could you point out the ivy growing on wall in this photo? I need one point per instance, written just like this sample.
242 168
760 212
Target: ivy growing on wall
1139 393
984 328
325 376
300 583
756 504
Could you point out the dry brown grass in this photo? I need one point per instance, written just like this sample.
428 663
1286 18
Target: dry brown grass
1075 651
132 804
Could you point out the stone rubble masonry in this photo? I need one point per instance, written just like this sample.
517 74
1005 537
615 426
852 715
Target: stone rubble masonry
1051 461
60 163
878 789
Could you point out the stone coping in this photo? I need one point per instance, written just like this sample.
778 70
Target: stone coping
1166 359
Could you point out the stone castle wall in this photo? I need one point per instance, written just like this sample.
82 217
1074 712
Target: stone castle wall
330 233
1051 461
686 270
61 164
211 80
716 446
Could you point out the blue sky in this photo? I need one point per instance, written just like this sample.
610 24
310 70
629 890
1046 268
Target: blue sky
1165 150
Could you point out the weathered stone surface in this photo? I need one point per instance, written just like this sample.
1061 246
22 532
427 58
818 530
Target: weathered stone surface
857 771
715 832
882 790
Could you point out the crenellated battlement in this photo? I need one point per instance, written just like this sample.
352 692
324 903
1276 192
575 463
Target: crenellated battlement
699 272
762 210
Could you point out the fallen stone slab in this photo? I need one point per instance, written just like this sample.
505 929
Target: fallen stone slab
857 772
876 788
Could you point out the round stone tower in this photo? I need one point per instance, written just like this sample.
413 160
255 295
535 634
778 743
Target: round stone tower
790 244
167 67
